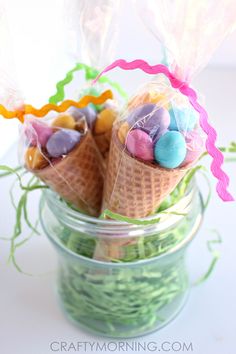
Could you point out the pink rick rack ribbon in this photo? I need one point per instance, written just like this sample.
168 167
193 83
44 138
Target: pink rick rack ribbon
183 87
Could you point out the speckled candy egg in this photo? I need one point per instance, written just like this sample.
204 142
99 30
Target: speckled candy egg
64 121
150 118
139 100
34 159
123 131
105 120
170 150
62 142
140 145
159 98
195 147
38 133
182 120
88 112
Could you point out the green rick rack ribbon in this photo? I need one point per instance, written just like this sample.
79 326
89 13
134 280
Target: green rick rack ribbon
90 74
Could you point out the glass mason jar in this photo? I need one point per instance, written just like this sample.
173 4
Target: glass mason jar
140 291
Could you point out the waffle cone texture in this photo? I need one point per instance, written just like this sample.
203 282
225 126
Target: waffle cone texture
79 177
133 188
103 142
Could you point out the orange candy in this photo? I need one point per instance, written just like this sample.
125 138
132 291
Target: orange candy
34 159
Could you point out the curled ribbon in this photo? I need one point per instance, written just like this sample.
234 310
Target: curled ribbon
41 112
183 87
90 74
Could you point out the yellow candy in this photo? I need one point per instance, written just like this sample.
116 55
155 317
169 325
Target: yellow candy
123 131
34 159
139 100
104 121
64 121
149 97
159 98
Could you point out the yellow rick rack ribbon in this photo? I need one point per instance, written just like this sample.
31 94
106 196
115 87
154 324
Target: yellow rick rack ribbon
28 109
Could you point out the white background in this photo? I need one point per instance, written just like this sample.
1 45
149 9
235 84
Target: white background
30 318
40 50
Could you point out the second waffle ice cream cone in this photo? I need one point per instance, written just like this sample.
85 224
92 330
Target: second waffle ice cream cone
78 178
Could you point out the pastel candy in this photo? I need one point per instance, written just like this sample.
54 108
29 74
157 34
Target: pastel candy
160 99
88 112
150 118
170 150
123 131
64 121
182 120
38 133
105 121
156 136
139 100
34 159
195 147
140 145
149 97
62 142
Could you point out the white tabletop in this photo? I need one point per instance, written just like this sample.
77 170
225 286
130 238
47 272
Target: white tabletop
30 317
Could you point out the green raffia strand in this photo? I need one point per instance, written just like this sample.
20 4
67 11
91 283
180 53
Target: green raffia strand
90 74
119 217
9 171
215 258
21 209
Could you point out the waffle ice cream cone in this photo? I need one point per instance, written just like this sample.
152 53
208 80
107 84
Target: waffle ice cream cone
103 142
78 177
134 188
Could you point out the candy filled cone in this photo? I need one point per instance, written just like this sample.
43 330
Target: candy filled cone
134 188
79 177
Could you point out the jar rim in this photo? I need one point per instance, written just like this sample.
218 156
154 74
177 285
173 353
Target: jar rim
99 263
73 218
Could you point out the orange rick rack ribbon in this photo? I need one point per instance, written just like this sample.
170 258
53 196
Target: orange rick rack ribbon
41 112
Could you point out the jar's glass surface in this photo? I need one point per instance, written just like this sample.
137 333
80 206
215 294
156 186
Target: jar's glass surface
139 283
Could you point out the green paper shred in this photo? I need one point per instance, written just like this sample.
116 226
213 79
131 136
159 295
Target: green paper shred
119 217
215 257
21 208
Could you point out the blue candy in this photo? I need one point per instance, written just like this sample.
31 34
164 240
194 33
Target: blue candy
170 150
182 120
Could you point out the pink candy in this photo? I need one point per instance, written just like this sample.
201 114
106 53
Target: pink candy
38 133
195 146
140 145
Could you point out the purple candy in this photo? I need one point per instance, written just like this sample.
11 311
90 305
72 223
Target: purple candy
38 133
150 118
87 112
62 142
140 145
